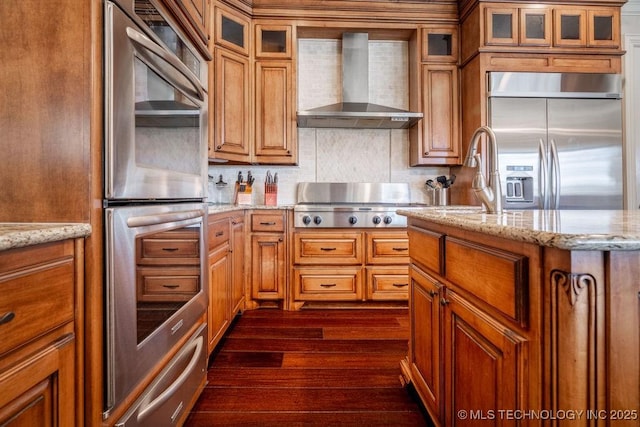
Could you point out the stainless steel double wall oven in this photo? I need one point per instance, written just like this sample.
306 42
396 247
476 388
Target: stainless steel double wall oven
155 212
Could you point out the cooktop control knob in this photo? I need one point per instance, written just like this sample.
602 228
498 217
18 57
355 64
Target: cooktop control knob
376 220
387 219
317 219
306 220
352 220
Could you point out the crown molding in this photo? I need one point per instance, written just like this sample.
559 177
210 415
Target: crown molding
632 7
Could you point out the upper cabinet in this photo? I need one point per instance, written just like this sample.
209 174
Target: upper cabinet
545 26
435 139
232 30
193 17
254 98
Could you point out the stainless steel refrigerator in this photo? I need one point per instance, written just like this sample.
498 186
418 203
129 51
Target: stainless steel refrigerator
559 139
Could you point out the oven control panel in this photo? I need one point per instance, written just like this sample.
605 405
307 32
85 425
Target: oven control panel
354 219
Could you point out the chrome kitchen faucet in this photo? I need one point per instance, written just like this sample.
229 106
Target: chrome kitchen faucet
490 195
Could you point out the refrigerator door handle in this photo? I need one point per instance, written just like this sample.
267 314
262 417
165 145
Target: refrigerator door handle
543 173
555 176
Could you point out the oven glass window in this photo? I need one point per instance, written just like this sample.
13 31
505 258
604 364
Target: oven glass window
167 275
167 124
159 25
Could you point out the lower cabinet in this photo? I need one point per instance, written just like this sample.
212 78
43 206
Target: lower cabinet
226 273
350 265
470 348
268 256
38 341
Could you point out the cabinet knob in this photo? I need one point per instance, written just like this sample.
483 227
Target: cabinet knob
426 153
218 147
433 293
444 301
280 239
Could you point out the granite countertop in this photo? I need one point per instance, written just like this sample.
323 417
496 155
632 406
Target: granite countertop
21 234
600 230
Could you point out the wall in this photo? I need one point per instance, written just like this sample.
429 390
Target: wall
631 40
343 155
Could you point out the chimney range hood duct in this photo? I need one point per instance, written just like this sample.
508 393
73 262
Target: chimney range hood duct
355 111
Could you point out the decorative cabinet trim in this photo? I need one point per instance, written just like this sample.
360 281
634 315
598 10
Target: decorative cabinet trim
577 328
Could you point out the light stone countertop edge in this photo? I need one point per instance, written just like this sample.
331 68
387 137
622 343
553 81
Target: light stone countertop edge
568 230
22 234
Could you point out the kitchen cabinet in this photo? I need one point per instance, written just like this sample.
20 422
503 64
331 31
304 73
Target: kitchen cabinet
435 140
275 116
39 353
230 103
470 324
226 241
231 131
193 17
501 324
268 256
350 265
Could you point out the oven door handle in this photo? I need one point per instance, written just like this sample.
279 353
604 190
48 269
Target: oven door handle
144 220
151 52
148 407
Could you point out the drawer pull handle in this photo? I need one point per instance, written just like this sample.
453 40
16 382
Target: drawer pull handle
400 249
268 223
219 233
170 249
400 285
328 249
171 286
327 285
7 317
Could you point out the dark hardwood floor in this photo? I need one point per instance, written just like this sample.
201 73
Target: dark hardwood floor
310 368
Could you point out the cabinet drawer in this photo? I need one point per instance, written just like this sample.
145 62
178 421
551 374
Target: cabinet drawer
40 299
497 277
322 284
267 222
427 248
388 283
218 233
177 247
167 284
387 248
327 248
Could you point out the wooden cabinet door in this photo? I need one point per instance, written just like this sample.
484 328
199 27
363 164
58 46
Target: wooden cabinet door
231 30
219 277
501 26
275 121
440 142
40 390
273 41
231 135
483 363
268 266
535 26
569 27
603 28
238 260
440 44
197 13
425 344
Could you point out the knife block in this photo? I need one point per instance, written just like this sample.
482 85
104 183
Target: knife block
271 194
243 195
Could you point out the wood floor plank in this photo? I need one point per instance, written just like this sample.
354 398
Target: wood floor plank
363 333
316 346
320 322
352 360
263 332
304 400
304 377
308 419
249 359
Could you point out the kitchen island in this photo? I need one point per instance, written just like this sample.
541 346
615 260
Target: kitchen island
525 317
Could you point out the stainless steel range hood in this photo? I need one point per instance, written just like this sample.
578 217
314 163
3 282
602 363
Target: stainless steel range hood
355 111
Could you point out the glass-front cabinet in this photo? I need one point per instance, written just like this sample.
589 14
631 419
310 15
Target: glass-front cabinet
273 41
232 31
440 44
569 27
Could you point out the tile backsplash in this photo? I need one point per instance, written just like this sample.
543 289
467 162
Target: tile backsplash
342 155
